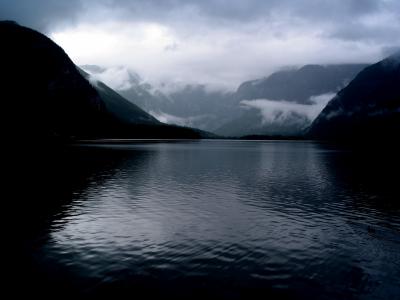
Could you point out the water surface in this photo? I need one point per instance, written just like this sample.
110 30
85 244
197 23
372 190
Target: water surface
227 219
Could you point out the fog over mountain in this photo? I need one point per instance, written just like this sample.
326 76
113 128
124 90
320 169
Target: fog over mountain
271 117
284 103
180 104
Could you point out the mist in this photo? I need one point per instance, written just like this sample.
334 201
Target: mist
278 111
118 78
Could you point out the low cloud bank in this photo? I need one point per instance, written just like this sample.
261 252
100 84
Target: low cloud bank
279 111
180 121
118 78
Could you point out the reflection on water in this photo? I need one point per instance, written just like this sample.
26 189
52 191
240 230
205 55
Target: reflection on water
213 218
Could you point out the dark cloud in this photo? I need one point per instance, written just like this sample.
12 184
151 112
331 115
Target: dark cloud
44 13
41 14
249 10
390 50
324 13
360 32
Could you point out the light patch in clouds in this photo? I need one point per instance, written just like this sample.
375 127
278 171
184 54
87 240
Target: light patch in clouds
169 119
118 78
221 58
175 120
273 111
111 44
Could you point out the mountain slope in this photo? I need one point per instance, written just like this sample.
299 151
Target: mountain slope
299 85
286 102
369 107
45 96
224 112
119 106
186 105
199 106
252 122
129 85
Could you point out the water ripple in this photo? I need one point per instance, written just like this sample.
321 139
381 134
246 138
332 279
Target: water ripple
281 215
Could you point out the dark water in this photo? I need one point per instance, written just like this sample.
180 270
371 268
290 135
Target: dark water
219 219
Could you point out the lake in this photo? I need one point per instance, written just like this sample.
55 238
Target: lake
197 219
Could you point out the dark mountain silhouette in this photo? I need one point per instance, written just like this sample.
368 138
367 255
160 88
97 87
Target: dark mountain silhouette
46 97
368 108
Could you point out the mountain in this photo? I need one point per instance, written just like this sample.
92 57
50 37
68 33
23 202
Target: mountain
193 105
129 85
46 97
368 108
298 85
252 122
286 102
200 106
291 99
188 105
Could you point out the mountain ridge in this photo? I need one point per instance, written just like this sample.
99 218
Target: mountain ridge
46 97
302 82
224 113
369 107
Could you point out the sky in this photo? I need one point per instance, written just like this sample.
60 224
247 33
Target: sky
220 43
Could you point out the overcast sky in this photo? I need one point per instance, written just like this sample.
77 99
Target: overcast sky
221 42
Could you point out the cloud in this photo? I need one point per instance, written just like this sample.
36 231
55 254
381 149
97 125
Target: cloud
169 119
273 111
118 78
223 57
44 15
193 121
217 42
388 51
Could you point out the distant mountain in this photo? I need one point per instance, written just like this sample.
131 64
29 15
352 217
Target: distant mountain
252 122
286 102
186 105
189 105
368 108
45 96
298 85
129 85
200 106
196 105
